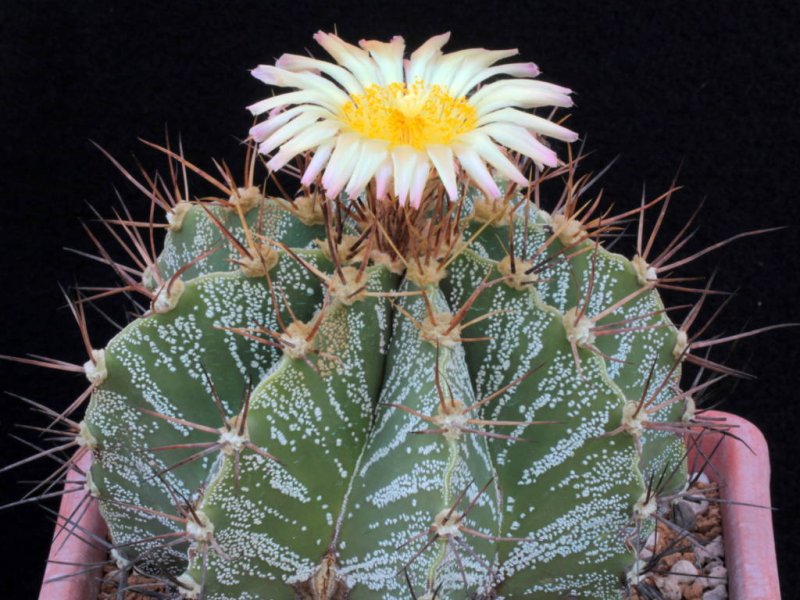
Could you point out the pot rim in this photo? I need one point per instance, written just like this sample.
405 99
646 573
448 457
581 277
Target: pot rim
742 471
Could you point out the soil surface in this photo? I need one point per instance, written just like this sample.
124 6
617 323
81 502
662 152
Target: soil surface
139 587
684 558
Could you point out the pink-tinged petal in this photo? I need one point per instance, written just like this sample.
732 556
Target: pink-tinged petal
422 171
442 159
447 67
388 57
521 99
263 130
522 141
489 152
421 58
523 93
318 162
523 70
299 97
535 123
262 106
265 74
404 159
383 178
341 165
539 85
316 135
373 153
312 137
304 81
456 68
444 68
474 65
352 58
473 165
288 131
295 62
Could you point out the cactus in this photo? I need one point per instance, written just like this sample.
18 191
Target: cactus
334 423
440 390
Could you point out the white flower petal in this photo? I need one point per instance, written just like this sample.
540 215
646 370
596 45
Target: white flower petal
388 57
444 68
473 165
263 130
422 57
442 158
535 123
489 152
422 170
304 80
522 141
462 88
473 65
341 165
522 93
404 159
312 137
315 135
465 64
352 58
373 153
296 62
288 131
318 162
299 97
383 177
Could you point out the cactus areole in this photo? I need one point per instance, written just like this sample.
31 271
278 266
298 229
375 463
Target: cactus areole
417 374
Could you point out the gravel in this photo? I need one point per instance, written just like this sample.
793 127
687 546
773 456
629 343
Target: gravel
689 565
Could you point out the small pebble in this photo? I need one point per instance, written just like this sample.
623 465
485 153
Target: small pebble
712 551
715 547
718 593
716 575
683 514
693 591
684 572
699 507
718 571
669 588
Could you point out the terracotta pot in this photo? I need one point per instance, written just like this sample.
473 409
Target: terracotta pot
743 474
65 577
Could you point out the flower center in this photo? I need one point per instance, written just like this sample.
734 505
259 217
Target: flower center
416 115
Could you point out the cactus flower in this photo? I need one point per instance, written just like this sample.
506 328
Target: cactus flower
374 114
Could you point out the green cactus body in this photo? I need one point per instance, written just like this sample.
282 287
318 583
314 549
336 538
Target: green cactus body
368 446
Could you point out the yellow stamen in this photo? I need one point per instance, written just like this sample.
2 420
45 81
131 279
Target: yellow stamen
416 115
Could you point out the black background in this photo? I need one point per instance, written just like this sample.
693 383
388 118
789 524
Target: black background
711 85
